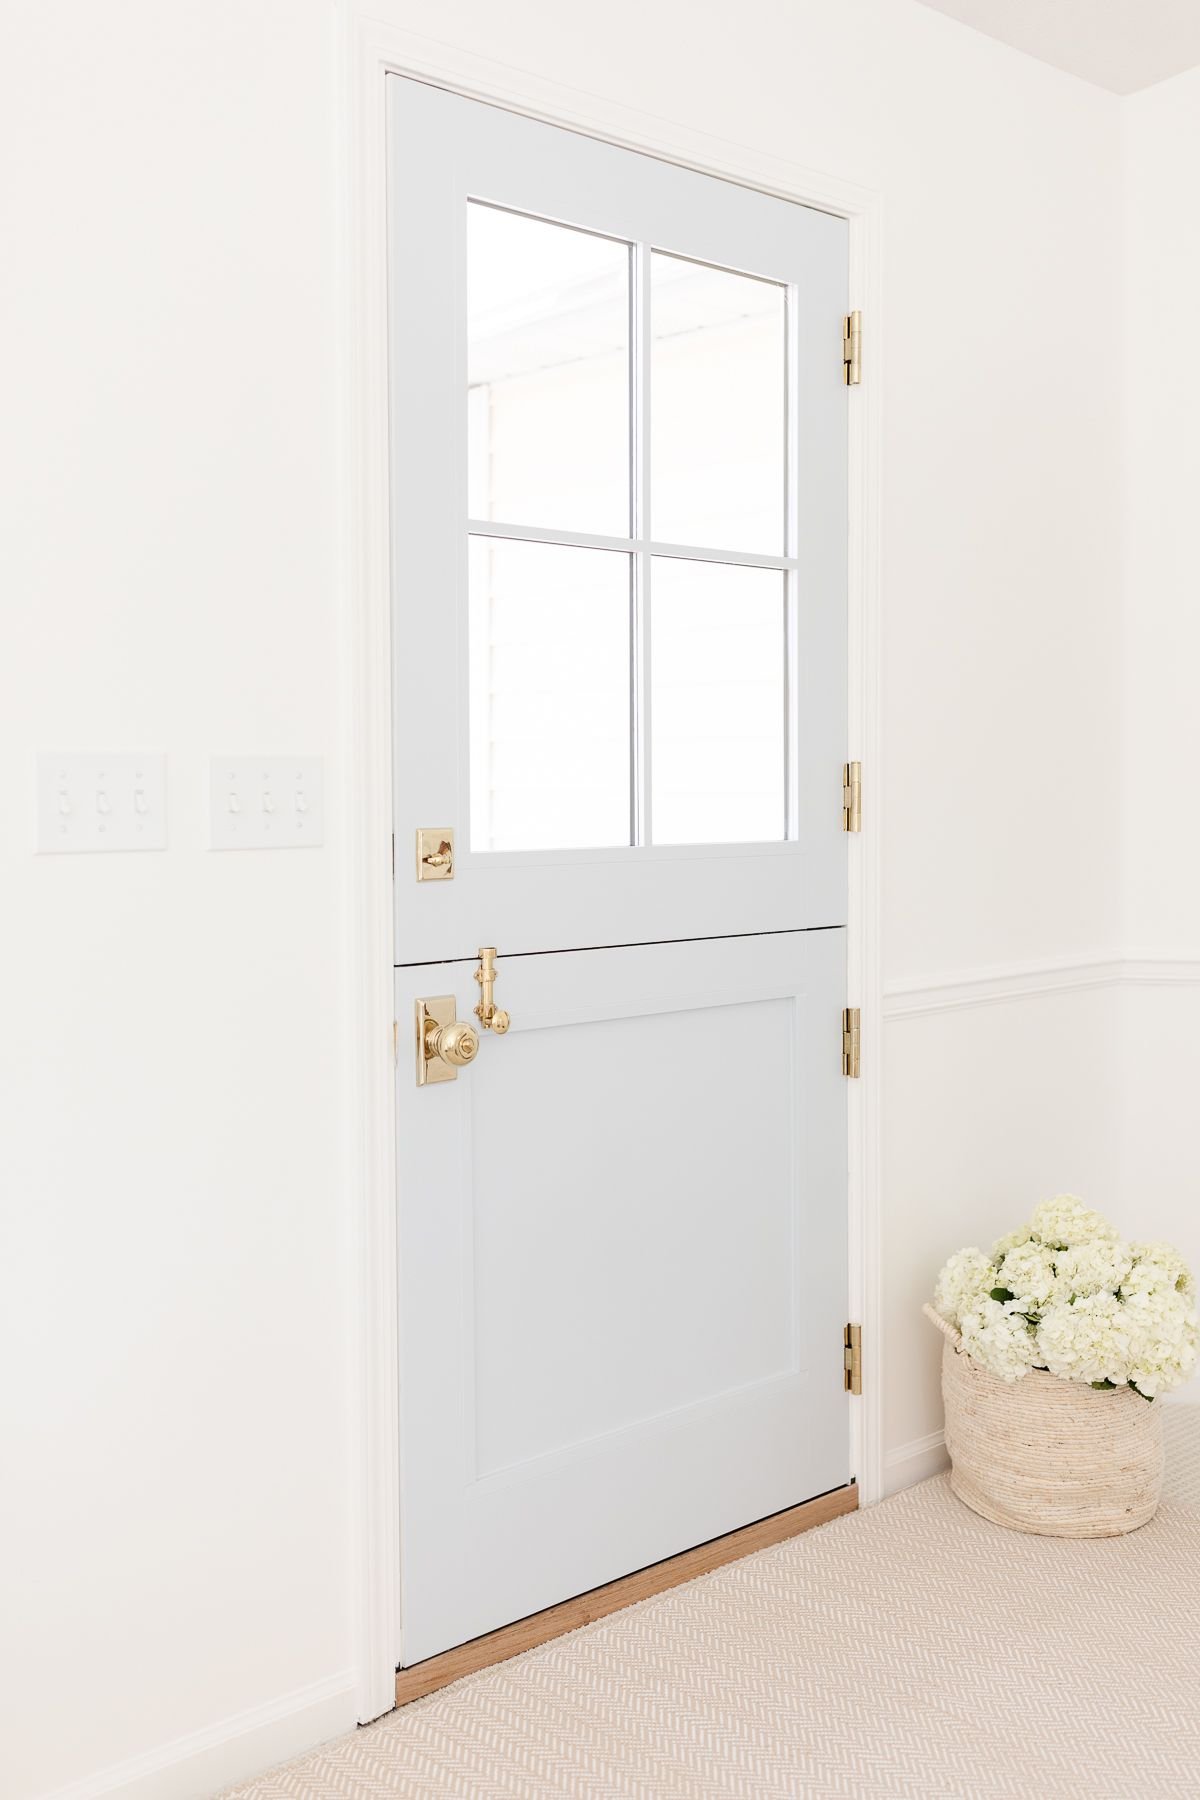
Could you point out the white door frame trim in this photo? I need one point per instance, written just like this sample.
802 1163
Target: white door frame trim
369 50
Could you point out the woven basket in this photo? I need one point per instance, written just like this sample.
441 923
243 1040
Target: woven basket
1049 1456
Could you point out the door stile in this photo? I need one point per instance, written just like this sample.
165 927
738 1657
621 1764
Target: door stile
793 598
641 402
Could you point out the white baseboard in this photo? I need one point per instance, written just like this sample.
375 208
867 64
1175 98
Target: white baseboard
915 1461
234 1749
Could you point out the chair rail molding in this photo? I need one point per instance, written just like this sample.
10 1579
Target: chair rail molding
369 49
1154 968
914 997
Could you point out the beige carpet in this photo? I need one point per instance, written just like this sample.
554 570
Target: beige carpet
912 1649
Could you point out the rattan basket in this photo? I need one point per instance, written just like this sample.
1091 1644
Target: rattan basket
1046 1455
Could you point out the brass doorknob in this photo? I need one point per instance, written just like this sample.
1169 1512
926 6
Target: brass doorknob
456 1043
445 1043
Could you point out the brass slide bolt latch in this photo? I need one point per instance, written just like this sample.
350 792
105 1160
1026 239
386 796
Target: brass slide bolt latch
490 1016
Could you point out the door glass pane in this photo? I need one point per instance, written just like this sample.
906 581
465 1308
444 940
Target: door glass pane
550 696
718 385
547 374
717 715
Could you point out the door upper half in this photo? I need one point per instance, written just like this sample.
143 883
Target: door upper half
618 443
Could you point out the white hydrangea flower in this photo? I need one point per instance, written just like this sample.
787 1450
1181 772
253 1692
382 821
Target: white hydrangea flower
997 1336
1103 1311
1028 1272
1158 1265
1065 1222
1091 1340
1094 1267
1165 1329
968 1277
1012 1241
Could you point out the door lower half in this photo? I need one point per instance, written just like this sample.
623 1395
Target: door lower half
623 1269
618 445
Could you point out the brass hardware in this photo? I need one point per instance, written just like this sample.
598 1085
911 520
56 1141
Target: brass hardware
491 1017
852 1359
852 1042
435 855
445 1043
852 797
852 348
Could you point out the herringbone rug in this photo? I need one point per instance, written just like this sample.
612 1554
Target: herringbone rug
910 1650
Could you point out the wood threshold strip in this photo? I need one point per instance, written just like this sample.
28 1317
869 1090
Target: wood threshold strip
497 1646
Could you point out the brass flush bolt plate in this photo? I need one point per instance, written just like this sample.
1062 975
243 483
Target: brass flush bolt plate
435 854
445 1043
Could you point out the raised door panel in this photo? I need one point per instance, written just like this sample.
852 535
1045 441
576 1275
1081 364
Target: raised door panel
622 1269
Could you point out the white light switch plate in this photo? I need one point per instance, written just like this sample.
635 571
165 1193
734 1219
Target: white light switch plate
106 801
267 802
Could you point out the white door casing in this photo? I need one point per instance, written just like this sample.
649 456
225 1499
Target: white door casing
573 1203
372 50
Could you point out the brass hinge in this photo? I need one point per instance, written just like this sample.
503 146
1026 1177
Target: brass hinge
852 1359
852 348
852 796
852 1042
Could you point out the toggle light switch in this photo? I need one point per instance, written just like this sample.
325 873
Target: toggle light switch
266 802
114 801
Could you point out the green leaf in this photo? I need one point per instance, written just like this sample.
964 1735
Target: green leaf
1002 1294
1137 1390
1106 1384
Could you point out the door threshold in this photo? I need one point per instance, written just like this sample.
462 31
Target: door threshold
584 1609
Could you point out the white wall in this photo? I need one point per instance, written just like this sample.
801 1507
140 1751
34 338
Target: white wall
1161 655
174 1310
177 1308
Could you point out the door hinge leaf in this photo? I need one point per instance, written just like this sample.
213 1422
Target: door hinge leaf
852 349
852 1042
852 796
852 1359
